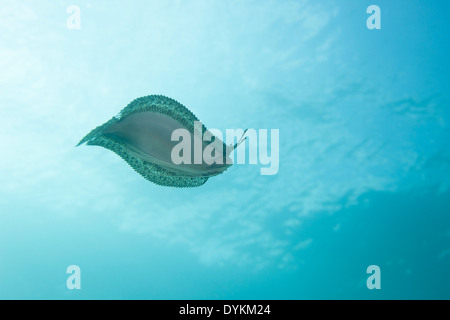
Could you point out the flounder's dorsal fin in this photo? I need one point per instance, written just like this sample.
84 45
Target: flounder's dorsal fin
162 105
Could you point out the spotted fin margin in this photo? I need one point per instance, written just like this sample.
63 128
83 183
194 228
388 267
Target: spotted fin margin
163 105
150 171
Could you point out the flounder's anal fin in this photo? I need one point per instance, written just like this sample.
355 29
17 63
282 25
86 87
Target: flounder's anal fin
149 171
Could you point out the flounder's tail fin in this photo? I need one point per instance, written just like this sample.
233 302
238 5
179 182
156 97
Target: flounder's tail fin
97 132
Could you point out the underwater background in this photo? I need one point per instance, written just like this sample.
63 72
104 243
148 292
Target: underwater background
364 125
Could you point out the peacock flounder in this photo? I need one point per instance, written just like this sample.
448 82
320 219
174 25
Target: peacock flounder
142 134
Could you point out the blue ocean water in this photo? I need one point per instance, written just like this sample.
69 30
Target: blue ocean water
363 118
